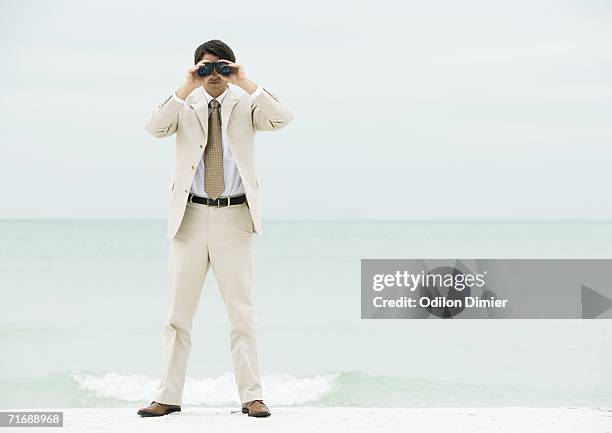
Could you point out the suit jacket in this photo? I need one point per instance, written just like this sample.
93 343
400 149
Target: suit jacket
245 114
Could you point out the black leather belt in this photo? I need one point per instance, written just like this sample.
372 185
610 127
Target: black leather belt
219 201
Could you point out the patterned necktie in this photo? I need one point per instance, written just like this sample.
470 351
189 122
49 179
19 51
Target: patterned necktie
213 155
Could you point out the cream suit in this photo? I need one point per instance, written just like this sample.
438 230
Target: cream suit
190 123
203 237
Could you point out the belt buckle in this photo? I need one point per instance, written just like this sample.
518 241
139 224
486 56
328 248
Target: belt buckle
218 202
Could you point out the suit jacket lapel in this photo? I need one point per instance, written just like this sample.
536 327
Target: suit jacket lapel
226 109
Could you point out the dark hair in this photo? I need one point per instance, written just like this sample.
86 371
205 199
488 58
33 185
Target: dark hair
216 47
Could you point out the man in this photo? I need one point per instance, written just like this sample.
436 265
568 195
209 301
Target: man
214 211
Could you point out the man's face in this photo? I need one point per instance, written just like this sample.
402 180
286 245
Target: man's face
213 83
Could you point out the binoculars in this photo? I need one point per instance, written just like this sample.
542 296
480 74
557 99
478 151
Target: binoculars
208 68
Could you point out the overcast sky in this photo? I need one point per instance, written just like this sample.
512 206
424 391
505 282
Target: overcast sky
403 109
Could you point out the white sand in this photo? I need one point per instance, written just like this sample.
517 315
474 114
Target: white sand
342 419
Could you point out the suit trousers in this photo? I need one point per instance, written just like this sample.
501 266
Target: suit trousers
221 238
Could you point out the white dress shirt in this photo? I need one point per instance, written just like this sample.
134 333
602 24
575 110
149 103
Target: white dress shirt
231 177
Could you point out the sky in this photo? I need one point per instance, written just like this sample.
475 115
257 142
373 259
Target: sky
437 110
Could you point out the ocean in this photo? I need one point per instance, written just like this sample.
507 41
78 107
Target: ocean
83 305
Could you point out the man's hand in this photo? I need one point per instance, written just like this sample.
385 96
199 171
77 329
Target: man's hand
238 77
192 80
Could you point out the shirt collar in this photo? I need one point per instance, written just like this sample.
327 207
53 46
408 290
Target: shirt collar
218 98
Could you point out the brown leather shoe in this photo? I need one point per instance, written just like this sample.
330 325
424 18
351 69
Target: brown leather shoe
256 408
158 409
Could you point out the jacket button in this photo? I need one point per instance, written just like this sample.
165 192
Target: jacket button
193 167
185 190
201 146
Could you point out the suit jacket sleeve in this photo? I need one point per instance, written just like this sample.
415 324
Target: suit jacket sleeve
268 112
162 121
